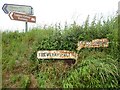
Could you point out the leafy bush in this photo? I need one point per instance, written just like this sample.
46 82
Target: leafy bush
93 72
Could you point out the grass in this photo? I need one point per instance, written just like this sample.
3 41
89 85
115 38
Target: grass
95 67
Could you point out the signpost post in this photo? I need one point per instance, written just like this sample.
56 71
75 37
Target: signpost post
20 13
26 26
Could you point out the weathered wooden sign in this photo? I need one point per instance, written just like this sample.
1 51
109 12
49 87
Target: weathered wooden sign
56 54
22 17
7 8
94 44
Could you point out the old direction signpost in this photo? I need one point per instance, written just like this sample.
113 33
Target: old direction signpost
56 54
24 13
22 17
7 8
94 44
20 13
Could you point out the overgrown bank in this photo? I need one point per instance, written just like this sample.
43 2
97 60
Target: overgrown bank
95 67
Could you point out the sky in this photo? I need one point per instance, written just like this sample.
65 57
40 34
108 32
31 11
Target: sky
58 11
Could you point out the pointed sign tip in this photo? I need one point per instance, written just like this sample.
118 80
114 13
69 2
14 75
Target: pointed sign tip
11 15
4 8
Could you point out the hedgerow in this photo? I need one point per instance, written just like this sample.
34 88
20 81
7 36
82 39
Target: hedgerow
95 67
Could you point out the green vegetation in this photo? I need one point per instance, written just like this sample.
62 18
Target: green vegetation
95 67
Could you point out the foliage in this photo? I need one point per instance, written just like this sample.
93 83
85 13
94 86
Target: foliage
95 67
93 72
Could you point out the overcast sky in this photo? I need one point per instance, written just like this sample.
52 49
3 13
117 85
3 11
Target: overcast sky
58 11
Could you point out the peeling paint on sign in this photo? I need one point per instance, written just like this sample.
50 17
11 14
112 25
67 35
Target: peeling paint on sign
56 54
94 44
